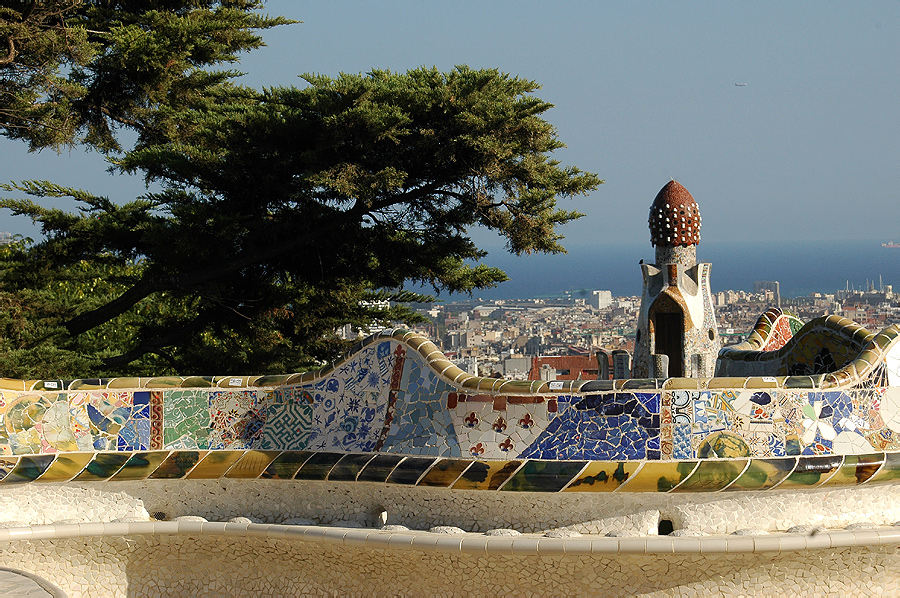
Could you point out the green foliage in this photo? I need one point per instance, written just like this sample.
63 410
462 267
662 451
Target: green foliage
75 71
281 214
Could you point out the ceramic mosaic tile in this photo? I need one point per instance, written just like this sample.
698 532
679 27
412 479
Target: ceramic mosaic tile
856 469
350 406
486 475
544 476
7 464
286 465
214 465
66 466
177 464
659 476
420 423
236 419
712 476
140 466
379 468
385 415
349 467
410 470
251 464
763 474
287 427
102 467
318 466
604 476
445 472
186 419
611 427
28 469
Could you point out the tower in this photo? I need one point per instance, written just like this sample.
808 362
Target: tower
676 324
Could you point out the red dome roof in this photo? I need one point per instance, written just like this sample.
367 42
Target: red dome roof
674 217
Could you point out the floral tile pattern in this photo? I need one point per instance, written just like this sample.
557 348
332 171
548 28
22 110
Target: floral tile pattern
236 419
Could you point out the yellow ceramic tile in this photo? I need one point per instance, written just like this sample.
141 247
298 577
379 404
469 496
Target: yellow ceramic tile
659 476
486 475
103 466
66 466
252 464
445 472
711 476
603 476
214 465
141 465
857 469
762 474
177 464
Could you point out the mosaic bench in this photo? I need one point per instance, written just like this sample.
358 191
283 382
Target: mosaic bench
152 471
395 410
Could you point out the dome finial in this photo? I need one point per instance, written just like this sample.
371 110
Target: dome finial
674 217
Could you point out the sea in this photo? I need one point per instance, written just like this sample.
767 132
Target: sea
801 268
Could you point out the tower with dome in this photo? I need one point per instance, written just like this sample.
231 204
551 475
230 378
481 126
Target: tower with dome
676 332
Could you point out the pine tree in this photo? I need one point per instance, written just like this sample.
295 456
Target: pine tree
285 213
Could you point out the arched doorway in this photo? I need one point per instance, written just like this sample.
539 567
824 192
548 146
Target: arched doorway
669 335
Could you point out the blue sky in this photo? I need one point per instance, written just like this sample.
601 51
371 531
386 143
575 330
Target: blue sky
644 92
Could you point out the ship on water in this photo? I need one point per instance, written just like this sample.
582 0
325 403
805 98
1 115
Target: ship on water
890 244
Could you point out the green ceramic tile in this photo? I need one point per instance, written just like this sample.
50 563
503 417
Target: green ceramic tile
66 466
486 475
603 476
410 470
214 465
713 475
812 471
103 466
762 474
252 464
140 466
379 468
544 476
660 476
186 419
28 469
445 472
286 465
318 466
857 469
177 465
349 467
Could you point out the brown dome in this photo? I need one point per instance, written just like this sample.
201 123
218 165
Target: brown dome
674 217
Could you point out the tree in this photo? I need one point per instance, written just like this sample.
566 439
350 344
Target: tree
287 212
77 71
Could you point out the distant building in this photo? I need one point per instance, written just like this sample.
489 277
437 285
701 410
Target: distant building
761 286
601 299
564 367
6 238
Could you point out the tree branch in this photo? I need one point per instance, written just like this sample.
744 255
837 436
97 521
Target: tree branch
12 52
154 345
